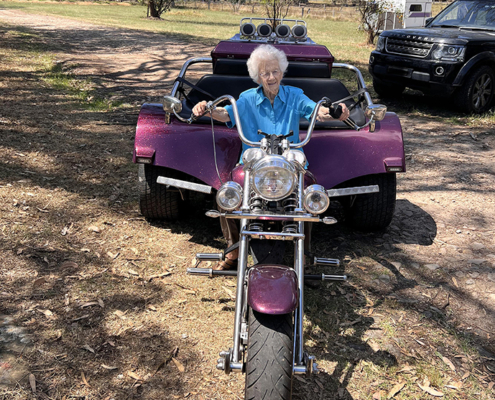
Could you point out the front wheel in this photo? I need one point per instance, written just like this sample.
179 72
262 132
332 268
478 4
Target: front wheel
476 95
374 211
269 357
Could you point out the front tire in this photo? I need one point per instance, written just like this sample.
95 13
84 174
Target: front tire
476 95
157 201
374 211
269 357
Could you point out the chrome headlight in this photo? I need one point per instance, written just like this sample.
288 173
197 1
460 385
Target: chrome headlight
273 177
380 44
252 155
229 196
316 199
445 52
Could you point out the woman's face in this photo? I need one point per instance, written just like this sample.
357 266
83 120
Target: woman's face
270 77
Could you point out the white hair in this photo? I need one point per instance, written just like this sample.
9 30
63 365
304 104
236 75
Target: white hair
265 52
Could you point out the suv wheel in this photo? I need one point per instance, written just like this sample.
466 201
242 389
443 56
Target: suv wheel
384 90
157 201
476 95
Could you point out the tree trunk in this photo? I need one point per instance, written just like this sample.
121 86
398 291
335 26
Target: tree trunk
153 10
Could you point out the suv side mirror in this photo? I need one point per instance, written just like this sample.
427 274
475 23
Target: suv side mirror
377 111
428 20
171 104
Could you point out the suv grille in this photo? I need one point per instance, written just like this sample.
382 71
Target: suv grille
411 45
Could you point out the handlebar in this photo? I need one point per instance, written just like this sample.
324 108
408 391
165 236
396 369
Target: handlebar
335 112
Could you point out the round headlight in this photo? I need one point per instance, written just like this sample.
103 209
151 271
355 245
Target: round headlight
252 155
248 29
315 199
273 177
282 30
264 30
229 196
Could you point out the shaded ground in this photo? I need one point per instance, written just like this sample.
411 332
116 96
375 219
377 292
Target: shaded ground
95 302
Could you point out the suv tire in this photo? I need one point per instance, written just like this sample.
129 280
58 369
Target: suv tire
476 95
157 201
374 211
384 90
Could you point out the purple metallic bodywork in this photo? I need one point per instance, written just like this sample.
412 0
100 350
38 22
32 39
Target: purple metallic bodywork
272 289
334 156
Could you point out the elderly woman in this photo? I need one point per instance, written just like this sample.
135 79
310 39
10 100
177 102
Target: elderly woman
272 108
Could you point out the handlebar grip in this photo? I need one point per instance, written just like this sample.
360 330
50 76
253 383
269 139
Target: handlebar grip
335 111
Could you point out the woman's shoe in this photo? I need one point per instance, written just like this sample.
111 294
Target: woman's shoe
225 265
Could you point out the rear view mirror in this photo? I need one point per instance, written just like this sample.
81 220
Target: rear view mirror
377 111
171 104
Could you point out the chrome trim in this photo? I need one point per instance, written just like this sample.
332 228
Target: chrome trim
353 190
241 275
211 256
184 69
299 253
359 77
333 262
197 187
271 217
283 236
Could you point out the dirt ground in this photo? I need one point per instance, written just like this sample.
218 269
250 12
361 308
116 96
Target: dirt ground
95 302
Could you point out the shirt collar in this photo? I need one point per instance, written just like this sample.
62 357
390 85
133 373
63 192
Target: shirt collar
282 95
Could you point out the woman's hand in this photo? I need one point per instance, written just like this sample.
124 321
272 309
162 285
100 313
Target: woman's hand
324 113
199 109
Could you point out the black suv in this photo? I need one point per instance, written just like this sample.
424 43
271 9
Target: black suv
454 55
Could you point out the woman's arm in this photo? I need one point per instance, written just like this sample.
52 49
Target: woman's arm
219 113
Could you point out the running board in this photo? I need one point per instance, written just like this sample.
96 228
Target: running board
197 187
353 191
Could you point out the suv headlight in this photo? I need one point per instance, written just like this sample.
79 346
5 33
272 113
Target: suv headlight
444 52
316 199
380 44
273 177
229 196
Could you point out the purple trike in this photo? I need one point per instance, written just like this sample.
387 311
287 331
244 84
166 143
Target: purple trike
271 194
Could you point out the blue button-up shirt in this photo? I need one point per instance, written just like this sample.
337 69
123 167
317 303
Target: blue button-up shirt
256 112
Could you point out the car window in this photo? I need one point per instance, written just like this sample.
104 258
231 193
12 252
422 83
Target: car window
467 14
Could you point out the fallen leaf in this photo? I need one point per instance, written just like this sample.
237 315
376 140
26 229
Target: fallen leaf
100 302
449 363
466 375
94 228
108 367
351 323
119 314
131 271
86 347
152 308
80 318
65 230
229 292
113 255
69 264
455 281
19 251
407 368
91 303
178 364
47 313
320 385
39 282
490 385
32 382
134 376
431 391
377 395
83 377
396 389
